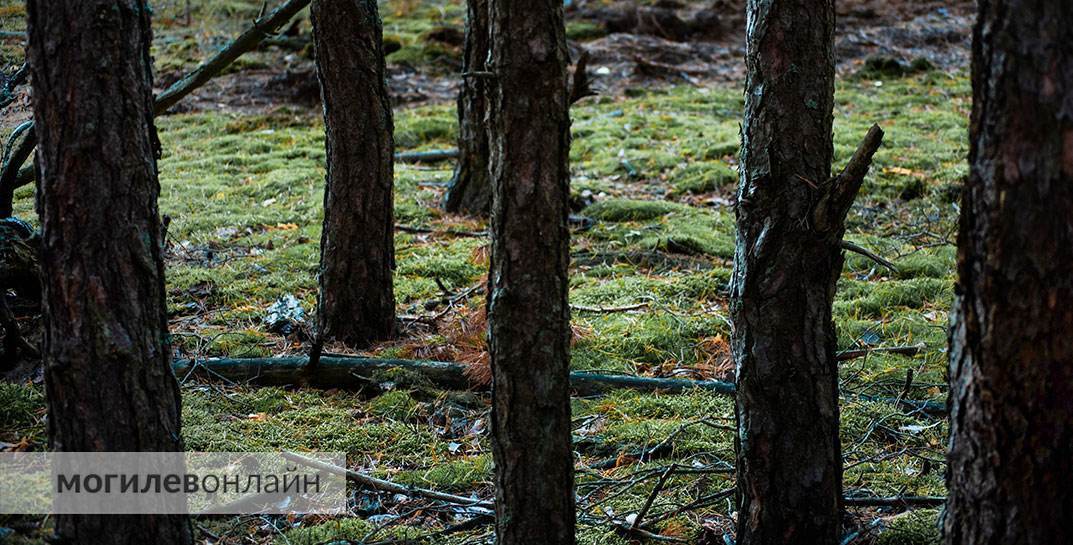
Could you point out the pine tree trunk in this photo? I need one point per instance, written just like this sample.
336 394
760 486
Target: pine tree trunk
107 375
790 216
357 301
528 311
471 189
1010 467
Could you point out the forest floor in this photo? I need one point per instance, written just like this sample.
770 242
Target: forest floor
653 164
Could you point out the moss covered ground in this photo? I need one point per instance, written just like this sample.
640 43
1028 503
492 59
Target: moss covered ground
244 193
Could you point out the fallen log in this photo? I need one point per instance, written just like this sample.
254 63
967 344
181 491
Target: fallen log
353 372
346 372
431 156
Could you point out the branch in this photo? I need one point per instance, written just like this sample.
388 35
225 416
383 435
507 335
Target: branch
247 41
858 249
7 89
896 501
609 310
840 191
652 497
432 156
429 230
342 372
581 85
388 486
910 350
11 176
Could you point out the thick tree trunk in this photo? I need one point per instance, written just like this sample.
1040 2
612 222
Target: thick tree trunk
790 216
107 375
471 189
357 302
528 311
1011 348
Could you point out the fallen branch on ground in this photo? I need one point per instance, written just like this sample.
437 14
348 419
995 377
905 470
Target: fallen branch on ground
910 350
388 486
896 501
433 156
602 310
343 372
431 230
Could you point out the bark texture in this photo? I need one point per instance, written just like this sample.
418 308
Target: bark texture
790 216
528 312
357 300
471 189
107 375
1011 348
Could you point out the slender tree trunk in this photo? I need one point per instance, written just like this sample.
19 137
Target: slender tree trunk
357 302
471 189
790 216
528 311
107 374
1010 467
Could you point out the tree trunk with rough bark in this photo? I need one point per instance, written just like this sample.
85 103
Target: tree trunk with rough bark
529 315
1011 347
471 189
108 380
790 222
357 301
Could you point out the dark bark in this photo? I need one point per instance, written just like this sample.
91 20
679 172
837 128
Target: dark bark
471 189
1011 348
357 301
108 381
790 218
529 317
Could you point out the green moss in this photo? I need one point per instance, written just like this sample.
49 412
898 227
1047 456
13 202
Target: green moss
394 405
912 528
583 30
344 530
430 126
458 475
631 210
23 406
245 192
879 299
703 177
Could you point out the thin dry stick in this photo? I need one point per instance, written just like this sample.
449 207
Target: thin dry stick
388 486
858 249
908 350
652 496
625 308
